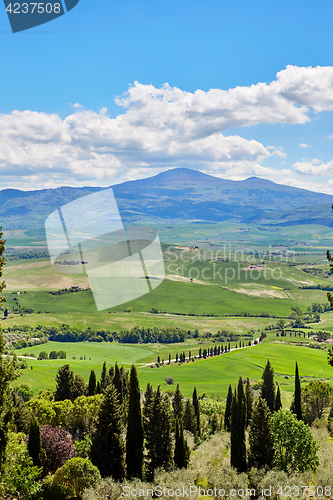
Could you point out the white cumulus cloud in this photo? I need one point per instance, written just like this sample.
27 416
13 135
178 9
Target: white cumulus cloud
161 128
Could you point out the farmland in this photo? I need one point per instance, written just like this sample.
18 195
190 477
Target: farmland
218 277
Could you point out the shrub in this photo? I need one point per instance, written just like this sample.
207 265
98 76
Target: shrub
169 380
76 475
43 355
58 447
107 489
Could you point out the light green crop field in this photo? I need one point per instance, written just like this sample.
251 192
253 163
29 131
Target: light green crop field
175 297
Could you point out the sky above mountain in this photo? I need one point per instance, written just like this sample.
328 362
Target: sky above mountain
115 91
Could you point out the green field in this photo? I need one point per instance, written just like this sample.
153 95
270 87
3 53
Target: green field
220 290
211 376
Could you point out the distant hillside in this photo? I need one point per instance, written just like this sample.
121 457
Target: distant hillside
177 196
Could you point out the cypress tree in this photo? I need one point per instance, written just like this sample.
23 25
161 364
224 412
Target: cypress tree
169 359
190 422
35 449
134 437
195 403
108 450
268 387
297 403
227 412
118 383
104 378
249 401
92 384
111 374
64 384
238 421
177 404
98 388
182 452
158 434
278 404
261 443
148 400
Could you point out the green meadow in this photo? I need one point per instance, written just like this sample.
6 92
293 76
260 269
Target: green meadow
211 376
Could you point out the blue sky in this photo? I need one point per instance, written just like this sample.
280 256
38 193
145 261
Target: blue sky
61 125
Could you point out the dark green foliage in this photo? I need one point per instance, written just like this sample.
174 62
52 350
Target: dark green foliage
227 413
104 377
249 401
118 383
182 452
35 444
268 387
190 421
79 387
158 434
177 404
278 404
296 406
261 452
64 384
21 415
92 383
149 396
98 388
108 450
195 402
134 437
237 428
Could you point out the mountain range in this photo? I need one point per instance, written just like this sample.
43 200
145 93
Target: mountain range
177 196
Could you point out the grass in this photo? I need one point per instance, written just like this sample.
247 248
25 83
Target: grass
211 376
173 297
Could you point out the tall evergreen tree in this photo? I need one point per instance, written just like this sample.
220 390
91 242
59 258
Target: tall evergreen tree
195 402
134 437
182 452
8 372
227 413
278 404
111 374
108 450
238 421
148 401
158 437
249 401
64 384
104 377
261 443
268 387
296 406
92 384
35 443
177 404
190 421
118 383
